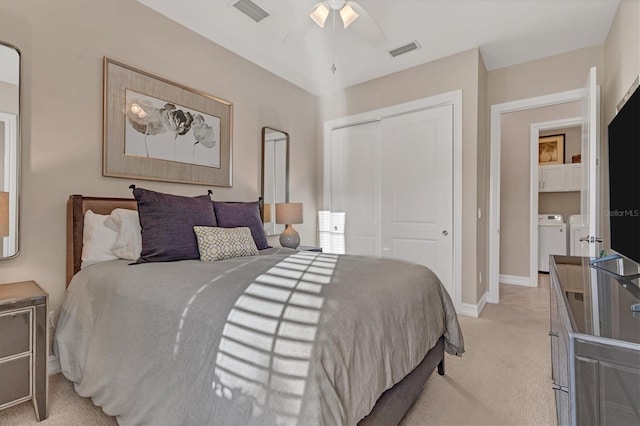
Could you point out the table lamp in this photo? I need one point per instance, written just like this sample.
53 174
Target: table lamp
288 214
4 214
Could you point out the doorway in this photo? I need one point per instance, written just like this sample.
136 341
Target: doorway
497 113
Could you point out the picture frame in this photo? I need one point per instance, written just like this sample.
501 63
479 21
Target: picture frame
155 129
551 149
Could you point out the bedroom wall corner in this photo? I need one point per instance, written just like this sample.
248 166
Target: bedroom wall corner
63 45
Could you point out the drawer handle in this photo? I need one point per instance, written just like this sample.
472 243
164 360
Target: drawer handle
553 334
560 388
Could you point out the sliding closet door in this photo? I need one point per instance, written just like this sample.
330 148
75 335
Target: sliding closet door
417 189
394 180
355 185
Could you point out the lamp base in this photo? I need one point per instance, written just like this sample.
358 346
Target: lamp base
290 237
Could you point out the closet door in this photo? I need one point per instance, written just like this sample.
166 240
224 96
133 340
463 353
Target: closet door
355 185
394 180
417 189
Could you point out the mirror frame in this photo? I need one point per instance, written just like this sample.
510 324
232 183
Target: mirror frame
14 199
265 129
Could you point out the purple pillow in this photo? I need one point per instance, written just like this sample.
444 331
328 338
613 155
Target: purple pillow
234 215
167 223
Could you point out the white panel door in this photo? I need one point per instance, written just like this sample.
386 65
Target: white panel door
355 185
590 157
417 189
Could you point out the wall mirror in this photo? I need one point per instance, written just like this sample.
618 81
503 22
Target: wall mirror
275 176
9 148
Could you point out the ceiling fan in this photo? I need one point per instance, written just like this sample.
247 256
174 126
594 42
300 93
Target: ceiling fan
348 11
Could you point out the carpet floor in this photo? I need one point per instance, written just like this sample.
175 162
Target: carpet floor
504 377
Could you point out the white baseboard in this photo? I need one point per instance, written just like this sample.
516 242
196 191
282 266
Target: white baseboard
516 280
54 365
471 310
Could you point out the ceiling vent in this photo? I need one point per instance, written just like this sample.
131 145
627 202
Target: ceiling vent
404 49
251 9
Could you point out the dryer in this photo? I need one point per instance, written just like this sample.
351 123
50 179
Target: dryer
552 238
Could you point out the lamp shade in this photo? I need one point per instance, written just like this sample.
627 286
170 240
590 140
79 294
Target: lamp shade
288 213
266 213
4 214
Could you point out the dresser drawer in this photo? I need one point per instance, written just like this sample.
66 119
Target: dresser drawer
16 335
16 379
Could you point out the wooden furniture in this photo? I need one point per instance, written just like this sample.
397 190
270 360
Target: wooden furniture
595 345
390 407
24 344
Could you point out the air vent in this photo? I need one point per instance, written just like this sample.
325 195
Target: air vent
251 9
404 49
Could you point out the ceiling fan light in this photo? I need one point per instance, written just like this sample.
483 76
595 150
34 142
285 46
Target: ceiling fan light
319 14
348 15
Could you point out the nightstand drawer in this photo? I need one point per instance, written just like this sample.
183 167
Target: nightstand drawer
16 336
16 379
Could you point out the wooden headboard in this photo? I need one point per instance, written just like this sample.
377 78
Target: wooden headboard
77 205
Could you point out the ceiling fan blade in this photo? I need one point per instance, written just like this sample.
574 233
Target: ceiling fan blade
366 25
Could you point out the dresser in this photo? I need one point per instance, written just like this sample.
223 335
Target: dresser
595 345
24 346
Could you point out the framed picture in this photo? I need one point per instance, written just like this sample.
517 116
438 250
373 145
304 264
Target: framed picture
551 150
155 129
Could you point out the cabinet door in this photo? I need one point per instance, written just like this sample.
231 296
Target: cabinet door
573 177
552 178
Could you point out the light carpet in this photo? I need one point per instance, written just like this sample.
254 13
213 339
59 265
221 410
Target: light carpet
504 377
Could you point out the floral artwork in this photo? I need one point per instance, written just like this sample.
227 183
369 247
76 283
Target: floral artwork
167 131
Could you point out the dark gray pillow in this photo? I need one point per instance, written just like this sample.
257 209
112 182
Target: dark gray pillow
167 223
233 215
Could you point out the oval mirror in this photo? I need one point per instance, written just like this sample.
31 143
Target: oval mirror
9 148
275 176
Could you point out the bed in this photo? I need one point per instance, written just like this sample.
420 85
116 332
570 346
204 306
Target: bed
284 337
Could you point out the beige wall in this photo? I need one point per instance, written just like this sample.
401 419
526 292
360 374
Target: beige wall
515 166
483 180
63 44
455 72
622 66
564 203
544 76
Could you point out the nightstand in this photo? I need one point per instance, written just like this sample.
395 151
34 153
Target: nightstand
309 248
24 346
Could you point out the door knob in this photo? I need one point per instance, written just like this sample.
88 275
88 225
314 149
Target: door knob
445 233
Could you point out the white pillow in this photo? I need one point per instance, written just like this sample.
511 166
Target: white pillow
97 240
128 243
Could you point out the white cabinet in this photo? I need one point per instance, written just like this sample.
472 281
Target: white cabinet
560 178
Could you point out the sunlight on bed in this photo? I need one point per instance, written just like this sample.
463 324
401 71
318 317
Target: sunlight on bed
268 337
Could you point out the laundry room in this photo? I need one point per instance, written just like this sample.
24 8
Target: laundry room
559 183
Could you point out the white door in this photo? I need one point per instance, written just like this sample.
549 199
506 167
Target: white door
355 185
417 189
590 158
394 180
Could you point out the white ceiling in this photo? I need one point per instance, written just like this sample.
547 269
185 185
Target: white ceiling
507 32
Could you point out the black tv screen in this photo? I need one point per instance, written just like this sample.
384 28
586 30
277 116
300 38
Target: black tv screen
624 179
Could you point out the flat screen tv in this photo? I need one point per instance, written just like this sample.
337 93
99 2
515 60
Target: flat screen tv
624 179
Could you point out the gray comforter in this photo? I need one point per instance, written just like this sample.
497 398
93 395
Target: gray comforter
281 338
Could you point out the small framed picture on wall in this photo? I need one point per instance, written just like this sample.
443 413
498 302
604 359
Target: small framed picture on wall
551 150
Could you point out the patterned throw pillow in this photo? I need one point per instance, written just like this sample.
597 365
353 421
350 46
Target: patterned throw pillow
224 243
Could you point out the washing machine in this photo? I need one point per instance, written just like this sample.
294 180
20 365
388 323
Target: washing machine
552 238
576 231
